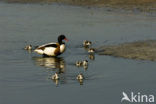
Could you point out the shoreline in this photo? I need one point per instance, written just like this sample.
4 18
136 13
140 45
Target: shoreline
141 5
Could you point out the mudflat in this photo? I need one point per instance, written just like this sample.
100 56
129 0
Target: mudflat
93 2
142 50
141 5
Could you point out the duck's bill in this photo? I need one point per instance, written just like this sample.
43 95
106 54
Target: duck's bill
66 39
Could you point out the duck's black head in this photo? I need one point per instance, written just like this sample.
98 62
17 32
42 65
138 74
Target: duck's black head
62 37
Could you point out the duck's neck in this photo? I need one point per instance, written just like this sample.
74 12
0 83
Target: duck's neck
60 41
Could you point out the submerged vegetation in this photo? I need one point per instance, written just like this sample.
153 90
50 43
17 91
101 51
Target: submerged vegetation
142 50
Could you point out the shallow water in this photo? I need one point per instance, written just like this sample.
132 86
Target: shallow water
25 76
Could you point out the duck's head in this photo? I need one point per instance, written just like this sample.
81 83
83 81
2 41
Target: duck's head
62 37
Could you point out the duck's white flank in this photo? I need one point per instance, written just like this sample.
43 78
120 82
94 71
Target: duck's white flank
39 51
47 50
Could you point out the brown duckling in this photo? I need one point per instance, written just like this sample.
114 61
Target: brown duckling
86 43
80 76
28 47
79 63
91 50
55 77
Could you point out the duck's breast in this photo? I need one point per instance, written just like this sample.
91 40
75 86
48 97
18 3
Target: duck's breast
62 48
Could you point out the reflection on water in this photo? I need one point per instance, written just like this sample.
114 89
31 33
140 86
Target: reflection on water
91 56
80 81
56 81
29 51
51 63
85 67
56 63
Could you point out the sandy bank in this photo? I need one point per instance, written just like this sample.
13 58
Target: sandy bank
142 50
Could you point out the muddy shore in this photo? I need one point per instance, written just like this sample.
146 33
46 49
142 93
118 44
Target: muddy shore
141 50
142 5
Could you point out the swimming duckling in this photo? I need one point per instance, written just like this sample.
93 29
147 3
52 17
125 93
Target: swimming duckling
91 56
79 63
85 63
91 50
28 47
80 76
55 77
86 43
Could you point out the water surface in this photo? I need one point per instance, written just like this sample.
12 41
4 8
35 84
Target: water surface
25 76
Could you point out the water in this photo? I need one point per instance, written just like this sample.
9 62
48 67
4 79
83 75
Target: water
25 76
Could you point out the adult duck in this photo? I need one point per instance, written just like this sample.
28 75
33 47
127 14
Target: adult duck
52 49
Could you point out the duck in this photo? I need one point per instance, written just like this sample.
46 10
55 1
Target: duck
91 50
55 77
86 43
80 76
85 63
28 47
79 63
52 49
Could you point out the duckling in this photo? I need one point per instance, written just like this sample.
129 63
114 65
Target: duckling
85 63
28 47
79 63
55 77
91 56
91 50
80 76
86 43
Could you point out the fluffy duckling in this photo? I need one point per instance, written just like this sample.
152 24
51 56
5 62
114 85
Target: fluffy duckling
91 50
80 76
28 47
79 63
86 43
91 57
55 76
85 63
